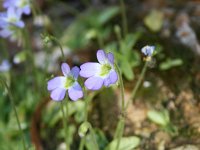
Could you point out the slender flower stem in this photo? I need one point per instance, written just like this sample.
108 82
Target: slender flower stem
94 138
137 85
124 19
121 88
60 46
4 48
65 119
120 126
30 66
100 40
87 101
15 111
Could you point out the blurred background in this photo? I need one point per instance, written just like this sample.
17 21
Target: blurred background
166 111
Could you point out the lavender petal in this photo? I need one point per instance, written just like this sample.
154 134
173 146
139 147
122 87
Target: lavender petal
110 58
57 82
65 69
94 83
75 92
101 56
75 72
113 77
89 69
58 94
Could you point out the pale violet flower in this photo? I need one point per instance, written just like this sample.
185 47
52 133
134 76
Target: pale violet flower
5 66
99 74
21 5
6 31
58 86
11 17
148 50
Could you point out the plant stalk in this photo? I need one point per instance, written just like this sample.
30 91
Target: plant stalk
65 120
15 112
137 84
124 18
121 123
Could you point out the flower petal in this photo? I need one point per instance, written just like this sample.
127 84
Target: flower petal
113 77
89 69
57 82
75 92
58 94
27 10
5 33
101 56
94 83
65 69
110 58
75 72
107 81
148 50
20 24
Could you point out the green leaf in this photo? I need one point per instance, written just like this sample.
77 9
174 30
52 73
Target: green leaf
154 20
159 117
107 14
20 57
134 58
127 44
84 127
127 69
126 143
169 63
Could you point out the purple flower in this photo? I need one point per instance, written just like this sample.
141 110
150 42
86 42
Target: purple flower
99 74
21 5
5 66
6 32
59 85
148 50
11 17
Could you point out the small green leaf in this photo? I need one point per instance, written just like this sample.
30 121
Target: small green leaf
127 44
154 20
134 58
20 57
127 69
169 63
126 143
107 14
159 117
84 127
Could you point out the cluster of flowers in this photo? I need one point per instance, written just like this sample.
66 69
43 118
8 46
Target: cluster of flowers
98 74
10 20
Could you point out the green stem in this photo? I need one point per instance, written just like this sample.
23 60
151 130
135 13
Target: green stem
30 66
65 119
87 101
15 111
137 85
4 49
120 126
124 19
121 89
93 138
100 40
82 144
60 46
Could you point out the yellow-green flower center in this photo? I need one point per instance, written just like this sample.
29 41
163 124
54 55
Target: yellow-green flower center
23 3
69 82
105 69
12 20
